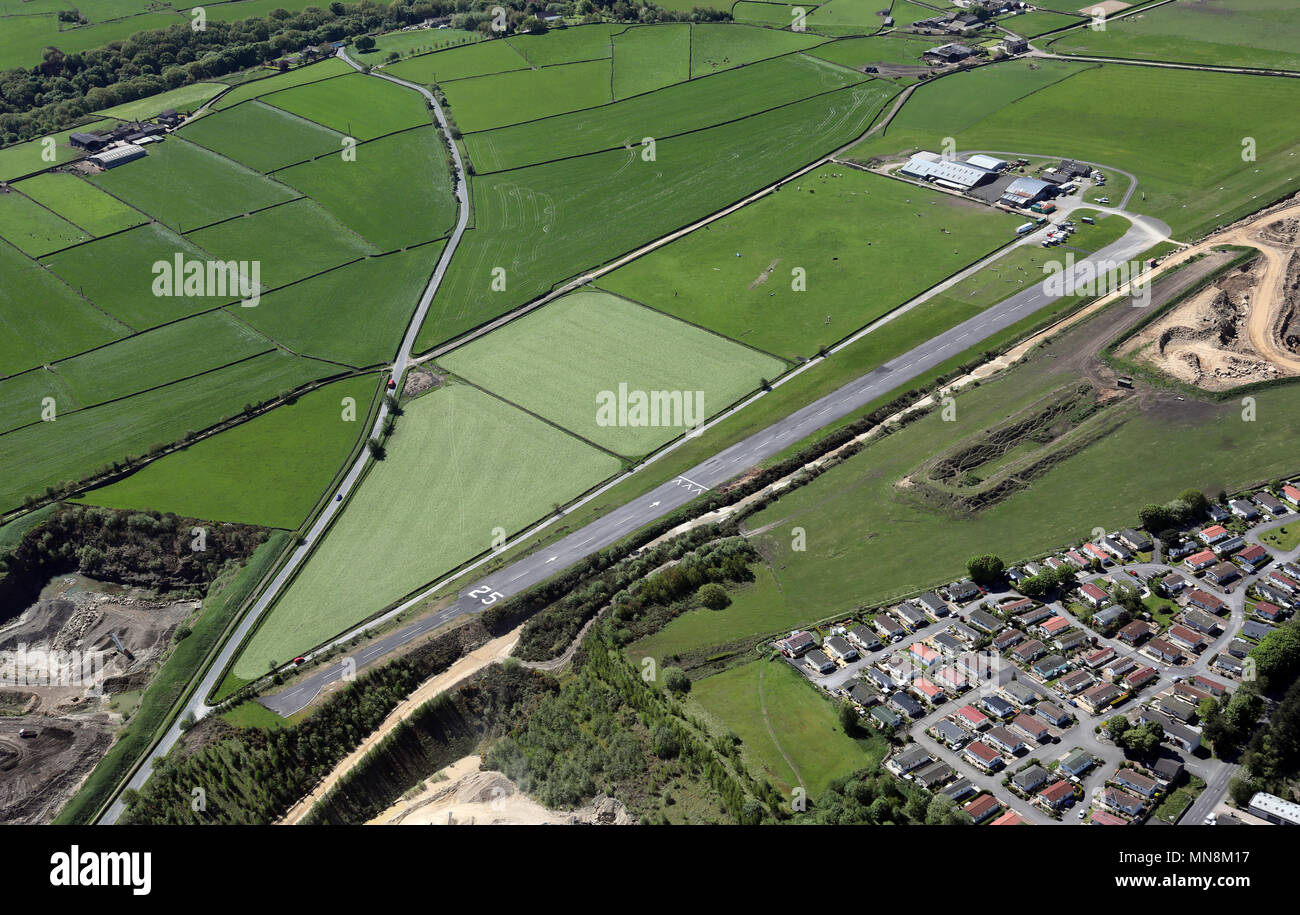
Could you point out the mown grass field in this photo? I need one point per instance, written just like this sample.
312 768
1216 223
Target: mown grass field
355 314
882 49
358 106
33 228
410 167
321 70
854 16
409 44
1225 33
864 244
557 46
498 99
269 471
761 12
81 203
720 46
451 476
651 57
183 98
791 732
609 342
262 137
671 111
493 56
23 397
1030 25
186 186
545 223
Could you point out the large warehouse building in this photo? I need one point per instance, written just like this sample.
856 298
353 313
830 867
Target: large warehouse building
1024 192
960 176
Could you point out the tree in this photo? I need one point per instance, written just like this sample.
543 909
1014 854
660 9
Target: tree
849 718
984 569
1155 517
1277 657
364 43
675 680
533 26
714 596
376 449
943 811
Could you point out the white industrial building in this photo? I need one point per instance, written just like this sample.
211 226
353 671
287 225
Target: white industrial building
1272 808
949 173
118 155
1026 191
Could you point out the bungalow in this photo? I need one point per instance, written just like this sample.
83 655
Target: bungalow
1202 560
1070 641
1285 582
910 617
972 718
933 775
1050 666
1029 651
796 644
1056 795
1187 638
1095 552
952 680
840 649
1213 533
1254 556
904 703
1229 545
1204 601
1223 573
882 680
862 695
1115 548
1269 502
1108 616
1076 762
907 760
1019 694
1004 740
1140 677
1291 494
818 662
1121 801
888 629
1099 657
1136 782
1255 630
1071 683
1016 605
1011 818
1271 612
964 632
1006 639
983 756
924 654
932 605
961 788
885 717
950 733
1214 687
1168 769
1135 540
1161 650
1189 693
1176 733
1052 714
982 807
1229 665
1173 583
1238 649
1276 595
1201 621
1181 709
930 691
948 644
863 638
1076 559
1118 667
1055 625
1093 595
1035 615
985 621
1031 727
997 706
1218 512
1100 697
1030 779
1120 577
964 591
1102 818
1243 509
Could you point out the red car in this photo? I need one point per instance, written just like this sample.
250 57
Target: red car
391 384
298 661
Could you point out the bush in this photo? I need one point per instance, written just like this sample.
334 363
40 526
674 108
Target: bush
714 596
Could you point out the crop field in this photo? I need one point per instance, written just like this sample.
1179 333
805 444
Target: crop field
186 186
64 324
610 342
116 274
86 440
1231 33
269 471
81 202
292 241
544 223
718 46
784 726
312 73
493 56
184 99
410 166
450 477
160 356
33 228
359 106
262 137
560 46
651 57
677 109
864 244
354 315
499 99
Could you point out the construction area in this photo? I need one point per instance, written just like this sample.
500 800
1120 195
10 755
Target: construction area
1243 326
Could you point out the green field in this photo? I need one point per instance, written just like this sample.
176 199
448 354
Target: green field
25 37
292 241
558 46
359 106
81 202
1029 25
274 82
498 99
64 324
609 342
269 471
760 12
877 50
184 99
116 274
451 476
410 167
23 398
186 186
544 223
850 16
865 244
354 315
1224 33
409 44
495 56
719 46
651 57
790 731
677 109
29 157
33 229
262 137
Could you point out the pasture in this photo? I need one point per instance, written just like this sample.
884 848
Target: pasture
262 137
762 12
269 471
316 72
357 105
32 228
186 186
451 476
609 341
484 102
184 99
410 44
545 223
492 56
651 57
677 109
562 46
1030 25
856 17
876 50
81 202
720 46
823 256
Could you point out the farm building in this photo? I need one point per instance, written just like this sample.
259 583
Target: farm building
1026 191
959 176
988 163
949 53
119 155
91 142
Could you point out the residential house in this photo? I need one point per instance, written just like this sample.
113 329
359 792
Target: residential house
1099 657
862 695
982 807
1229 665
948 644
1202 560
1141 677
1104 818
904 703
1030 779
1016 605
1034 615
1054 626
1177 733
950 733
1168 769
1005 640
1213 533
1135 540
1164 651
933 606
1115 548
1174 584
1285 582
1269 502
885 717
958 790
1201 621
1291 494
1029 651
1186 638
888 628
1122 802
1254 556
1107 617
923 654
1223 573
1100 697
932 776
1238 649
1056 795
1271 612
971 717
863 638
1203 601
997 706
985 621
839 649
1050 666
1243 509
964 591
1178 708
796 644
1095 552
818 662
931 692
1052 714
910 617
907 760
1074 681
1076 762
1031 727
1229 545
1136 782
1076 559
1118 667
983 756
1004 740
1211 686
1010 817
952 680
1255 630
1019 693
882 680
1092 595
